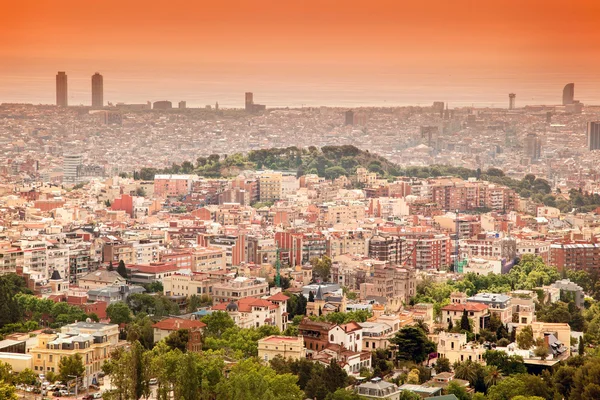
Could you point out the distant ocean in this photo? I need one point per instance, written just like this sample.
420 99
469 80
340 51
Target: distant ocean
275 88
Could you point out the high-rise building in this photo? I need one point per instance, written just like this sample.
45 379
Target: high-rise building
511 101
349 117
593 135
72 164
182 104
162 105
533 146
97 91
249 101
61 89
568 94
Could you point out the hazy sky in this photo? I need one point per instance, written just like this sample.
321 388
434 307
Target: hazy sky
210 49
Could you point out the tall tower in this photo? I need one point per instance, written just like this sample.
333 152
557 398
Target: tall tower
61 89
249 101
568 94
349 117
511 101
593 135
97 91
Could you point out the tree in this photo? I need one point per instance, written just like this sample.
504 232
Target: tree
408 395
412 344
465 323
121 269
110 266
7 391
493 376
311 298
217 323
70 366
458 390
442 365
541 351
178 340
343 394
10 285
508 365
413 377
250 380
563 380
525 338
27 377
581 347
586 381
321 268
118 313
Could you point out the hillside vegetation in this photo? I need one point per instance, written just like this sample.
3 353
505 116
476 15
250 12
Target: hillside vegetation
334 161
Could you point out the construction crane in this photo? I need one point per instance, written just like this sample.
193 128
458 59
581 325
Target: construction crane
277 265
411 252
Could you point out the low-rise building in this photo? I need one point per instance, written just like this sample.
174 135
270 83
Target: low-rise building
378 389
93 341
284 346
455 348
498 305
164 328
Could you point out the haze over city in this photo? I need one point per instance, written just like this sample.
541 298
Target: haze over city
384 53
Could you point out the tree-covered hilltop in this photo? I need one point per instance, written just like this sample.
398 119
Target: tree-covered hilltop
334 161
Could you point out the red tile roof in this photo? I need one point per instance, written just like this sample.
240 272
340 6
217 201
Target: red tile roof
174 324
278 297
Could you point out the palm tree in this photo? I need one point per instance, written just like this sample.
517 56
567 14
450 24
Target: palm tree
421 324
493 376
465 370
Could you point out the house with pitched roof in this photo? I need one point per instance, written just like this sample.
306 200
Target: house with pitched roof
250 312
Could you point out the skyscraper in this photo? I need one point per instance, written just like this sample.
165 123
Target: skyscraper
61 89
349 117
72 164
568 94
249 101
593 135
533 146
97 91
511 101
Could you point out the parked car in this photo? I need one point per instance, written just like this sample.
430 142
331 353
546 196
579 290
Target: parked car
97 395
88 397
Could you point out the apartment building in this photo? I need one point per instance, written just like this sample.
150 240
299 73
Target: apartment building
270 186
93 341
187 285
342 213
386 248
173 185
208 259
571 256
238 288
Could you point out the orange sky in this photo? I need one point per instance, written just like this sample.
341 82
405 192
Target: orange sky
557 36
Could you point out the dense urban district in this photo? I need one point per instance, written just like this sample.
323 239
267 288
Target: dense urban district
409 253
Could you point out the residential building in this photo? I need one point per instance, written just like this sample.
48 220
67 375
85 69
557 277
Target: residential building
252 312
99 279
72 164
238 288
284 346
270 186
97 91
478 313
378 389
455 348
93 341
572 256
173 185
165 327
498 304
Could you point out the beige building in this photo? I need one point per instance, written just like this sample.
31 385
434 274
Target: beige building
100 279
455 348
93 341
270 184
284 346
238 288
208 259
188 285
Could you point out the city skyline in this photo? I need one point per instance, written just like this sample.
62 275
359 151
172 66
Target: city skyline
373 53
